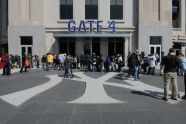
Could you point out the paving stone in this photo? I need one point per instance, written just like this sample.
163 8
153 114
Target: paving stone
86 108
60 108
35 108
116 118
55 118
86 118
25 118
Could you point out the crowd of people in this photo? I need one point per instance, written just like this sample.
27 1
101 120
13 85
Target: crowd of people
171 66
8 62
136 62
84 62
139 62
63 61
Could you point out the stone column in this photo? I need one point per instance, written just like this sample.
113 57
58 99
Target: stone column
79 46
130 43
104 47
50 43
127 47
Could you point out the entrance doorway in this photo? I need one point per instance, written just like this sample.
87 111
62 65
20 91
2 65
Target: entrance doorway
155 45
26 45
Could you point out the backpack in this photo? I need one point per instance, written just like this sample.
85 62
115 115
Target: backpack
183 65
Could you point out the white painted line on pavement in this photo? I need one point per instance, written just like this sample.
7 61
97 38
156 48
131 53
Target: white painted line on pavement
18 98
95 92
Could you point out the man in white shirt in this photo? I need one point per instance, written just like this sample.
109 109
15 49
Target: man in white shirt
152 62
61 58
120 60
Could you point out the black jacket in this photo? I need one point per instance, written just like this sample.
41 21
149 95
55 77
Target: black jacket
171 63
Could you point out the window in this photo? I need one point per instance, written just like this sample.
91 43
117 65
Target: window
159 10
176 15
116 9
155 40
175 9
26 40
66 9
91 9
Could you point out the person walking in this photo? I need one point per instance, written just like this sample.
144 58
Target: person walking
61 58
67 64
44 62
120 62
8 66
134 65
25 64
37 61
49 61
170 63
4 60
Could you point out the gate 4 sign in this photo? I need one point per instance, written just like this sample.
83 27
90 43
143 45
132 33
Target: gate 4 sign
89 26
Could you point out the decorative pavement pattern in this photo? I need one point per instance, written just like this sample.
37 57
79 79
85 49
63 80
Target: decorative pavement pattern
39 97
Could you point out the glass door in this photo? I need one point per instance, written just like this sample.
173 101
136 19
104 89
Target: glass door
26 50
156 49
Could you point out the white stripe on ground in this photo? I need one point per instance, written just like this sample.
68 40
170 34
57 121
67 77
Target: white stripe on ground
18 98
94 92
145 88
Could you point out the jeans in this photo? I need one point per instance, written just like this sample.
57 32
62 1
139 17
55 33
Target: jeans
44 65
6 70
49 66
151 70
136 72
68 73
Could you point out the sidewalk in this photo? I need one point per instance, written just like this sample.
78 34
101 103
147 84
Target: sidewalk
88 98
12 70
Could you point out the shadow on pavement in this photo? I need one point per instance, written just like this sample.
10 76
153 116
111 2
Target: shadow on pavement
153 94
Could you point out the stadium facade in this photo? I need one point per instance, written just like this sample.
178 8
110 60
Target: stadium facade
104 27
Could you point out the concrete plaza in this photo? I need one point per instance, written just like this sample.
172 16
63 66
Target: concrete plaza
40 97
